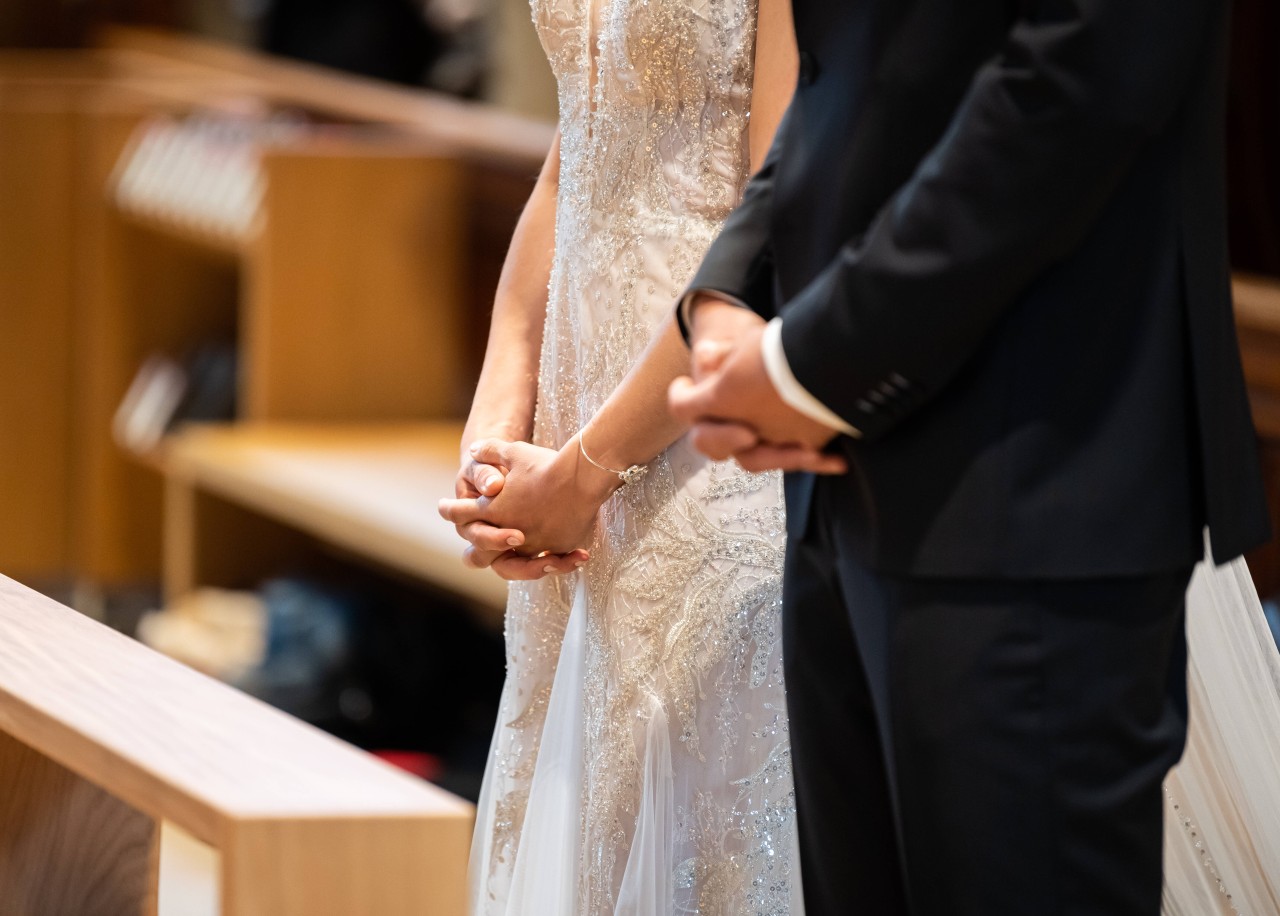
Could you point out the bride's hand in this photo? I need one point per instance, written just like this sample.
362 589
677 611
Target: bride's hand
550 497
473 481
492 547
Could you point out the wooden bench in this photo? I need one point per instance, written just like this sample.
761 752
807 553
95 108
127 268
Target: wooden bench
101 739
237 495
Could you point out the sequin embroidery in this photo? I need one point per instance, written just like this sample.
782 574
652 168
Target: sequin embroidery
684 588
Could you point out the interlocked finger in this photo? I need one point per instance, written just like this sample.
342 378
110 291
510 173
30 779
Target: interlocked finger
484 536
492 451
517 568
722 440
765 457
475 558
485 479
463 511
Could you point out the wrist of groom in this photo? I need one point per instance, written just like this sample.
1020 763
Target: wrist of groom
694 298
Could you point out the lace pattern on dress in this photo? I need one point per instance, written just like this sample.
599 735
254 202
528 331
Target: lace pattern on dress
684 588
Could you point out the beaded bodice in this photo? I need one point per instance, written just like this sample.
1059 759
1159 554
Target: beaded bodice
654 101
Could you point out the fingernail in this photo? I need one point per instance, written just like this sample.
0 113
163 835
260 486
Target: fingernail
580 563
514 542
474 447
548 569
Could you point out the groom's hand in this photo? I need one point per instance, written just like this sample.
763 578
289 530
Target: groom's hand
731 404
715 328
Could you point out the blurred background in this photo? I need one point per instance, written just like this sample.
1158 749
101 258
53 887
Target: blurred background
247 249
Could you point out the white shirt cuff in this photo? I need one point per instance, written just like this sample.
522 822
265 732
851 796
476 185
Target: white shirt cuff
795 395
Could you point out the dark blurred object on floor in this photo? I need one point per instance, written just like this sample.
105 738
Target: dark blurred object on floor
306 665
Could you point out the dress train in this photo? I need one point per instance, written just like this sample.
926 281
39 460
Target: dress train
1222 801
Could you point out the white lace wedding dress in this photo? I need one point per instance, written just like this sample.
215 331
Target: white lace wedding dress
641 762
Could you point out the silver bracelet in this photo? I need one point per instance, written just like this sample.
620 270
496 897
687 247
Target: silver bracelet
633 474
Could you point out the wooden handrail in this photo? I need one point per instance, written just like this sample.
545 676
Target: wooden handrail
305 823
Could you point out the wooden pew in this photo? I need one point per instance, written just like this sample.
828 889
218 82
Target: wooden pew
101 739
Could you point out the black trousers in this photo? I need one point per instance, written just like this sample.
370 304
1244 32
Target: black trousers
978 747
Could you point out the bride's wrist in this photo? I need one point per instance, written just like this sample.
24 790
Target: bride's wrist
591 482
504 429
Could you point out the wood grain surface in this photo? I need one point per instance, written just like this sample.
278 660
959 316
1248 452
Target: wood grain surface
371 489
174 743
66 846
323 867
305 823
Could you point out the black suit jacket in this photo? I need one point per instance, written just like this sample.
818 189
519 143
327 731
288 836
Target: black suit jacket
995 233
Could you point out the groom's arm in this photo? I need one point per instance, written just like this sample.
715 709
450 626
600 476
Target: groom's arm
738 269
1043 136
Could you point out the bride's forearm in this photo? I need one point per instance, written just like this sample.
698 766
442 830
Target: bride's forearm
507 391
634 425
552 496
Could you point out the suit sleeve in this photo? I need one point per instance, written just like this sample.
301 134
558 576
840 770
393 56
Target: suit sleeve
1045 132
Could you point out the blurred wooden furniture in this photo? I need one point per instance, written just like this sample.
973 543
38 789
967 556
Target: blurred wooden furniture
1257 302
362 294
100 738
39 182
368 490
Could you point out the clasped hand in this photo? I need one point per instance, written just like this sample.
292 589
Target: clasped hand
731 405
526 511
529 512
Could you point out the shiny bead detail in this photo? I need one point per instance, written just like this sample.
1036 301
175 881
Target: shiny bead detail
683 591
